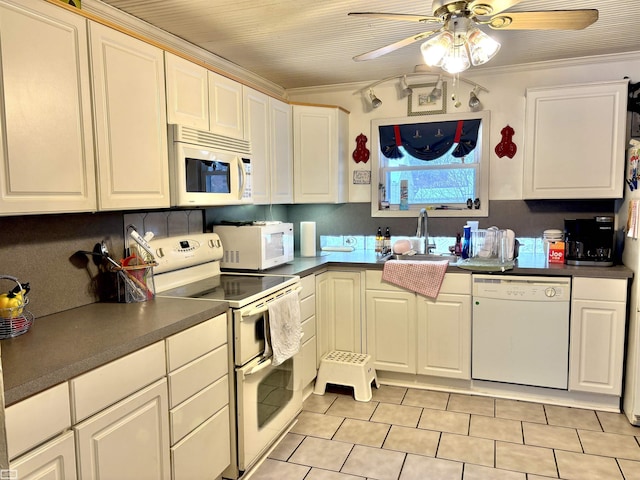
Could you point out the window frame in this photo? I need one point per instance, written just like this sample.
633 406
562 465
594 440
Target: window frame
483 171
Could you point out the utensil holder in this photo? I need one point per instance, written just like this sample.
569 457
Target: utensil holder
135 283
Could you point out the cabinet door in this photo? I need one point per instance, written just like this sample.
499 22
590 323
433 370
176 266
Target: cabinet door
444 336
129 440
225 106
596 353
338 312
131 121
391 330
256 123
319 155
281 152
575 137
53 460
46 148
187 92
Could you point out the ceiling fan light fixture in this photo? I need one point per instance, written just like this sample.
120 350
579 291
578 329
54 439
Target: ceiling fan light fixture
482 47
435 49
457 59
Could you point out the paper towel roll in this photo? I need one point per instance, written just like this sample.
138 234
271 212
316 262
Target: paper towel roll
308 239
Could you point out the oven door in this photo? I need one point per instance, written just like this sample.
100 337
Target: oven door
268 399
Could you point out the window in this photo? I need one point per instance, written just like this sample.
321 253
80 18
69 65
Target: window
440 163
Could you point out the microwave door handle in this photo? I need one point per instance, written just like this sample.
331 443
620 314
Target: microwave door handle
243 177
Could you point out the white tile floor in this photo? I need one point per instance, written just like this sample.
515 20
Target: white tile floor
410 434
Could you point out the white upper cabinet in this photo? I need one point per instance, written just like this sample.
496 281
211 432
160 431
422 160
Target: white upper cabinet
320 154
187 93
46 146
267 124
575 141
131 121
225 106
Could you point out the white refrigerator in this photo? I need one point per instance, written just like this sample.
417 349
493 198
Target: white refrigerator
628 218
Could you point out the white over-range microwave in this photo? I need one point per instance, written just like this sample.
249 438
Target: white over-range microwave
255 247
208 169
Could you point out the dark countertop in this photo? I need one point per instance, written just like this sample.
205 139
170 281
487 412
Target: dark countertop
525 265
64 345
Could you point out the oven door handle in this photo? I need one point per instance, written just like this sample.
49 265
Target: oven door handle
265 306
260 366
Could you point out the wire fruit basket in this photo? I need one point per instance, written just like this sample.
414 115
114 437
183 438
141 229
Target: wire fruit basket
15 320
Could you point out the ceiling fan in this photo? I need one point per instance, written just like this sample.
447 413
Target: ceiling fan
457 26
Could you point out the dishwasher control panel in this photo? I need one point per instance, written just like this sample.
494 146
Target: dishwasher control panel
512 287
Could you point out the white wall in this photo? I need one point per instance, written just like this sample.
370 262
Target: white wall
505 100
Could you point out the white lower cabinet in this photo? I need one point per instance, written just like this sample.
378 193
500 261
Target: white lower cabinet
55 460
129 440
308 350
444 336
598 317
198 372
338 311
410 333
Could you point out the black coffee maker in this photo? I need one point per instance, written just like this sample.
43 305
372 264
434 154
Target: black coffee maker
589 241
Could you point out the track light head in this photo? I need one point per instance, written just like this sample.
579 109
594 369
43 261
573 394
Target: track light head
375 101
474 101
404 87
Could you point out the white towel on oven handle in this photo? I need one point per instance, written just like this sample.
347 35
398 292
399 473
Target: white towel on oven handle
285 328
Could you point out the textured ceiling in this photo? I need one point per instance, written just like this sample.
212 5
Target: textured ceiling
306 43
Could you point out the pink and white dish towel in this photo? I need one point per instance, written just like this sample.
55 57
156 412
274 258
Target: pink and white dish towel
285 327
424 278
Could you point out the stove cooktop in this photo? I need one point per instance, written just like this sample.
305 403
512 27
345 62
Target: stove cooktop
231 287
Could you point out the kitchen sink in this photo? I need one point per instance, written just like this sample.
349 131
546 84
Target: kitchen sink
431 257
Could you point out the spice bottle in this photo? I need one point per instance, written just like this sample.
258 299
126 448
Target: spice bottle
386 248
379 241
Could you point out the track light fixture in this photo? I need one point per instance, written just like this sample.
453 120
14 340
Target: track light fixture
375 101
404 87
437 90
474 101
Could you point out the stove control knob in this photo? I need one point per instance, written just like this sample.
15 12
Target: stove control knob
550 292
160 252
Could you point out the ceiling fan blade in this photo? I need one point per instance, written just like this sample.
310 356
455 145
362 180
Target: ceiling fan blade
378 52
548 20
490 7
403 17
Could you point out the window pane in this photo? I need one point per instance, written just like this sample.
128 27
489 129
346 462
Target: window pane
433 186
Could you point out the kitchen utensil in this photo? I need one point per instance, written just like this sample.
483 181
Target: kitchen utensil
135 289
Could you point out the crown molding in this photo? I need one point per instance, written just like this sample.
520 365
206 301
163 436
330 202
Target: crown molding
180 46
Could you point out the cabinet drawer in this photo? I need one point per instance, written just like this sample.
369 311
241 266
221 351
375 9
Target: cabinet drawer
196 341
196 375
307 307
605 289
105 385
308 328
205 453
308 284
456 283
36 419
192 412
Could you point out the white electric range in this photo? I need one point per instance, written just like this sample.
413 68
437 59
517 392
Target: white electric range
264 400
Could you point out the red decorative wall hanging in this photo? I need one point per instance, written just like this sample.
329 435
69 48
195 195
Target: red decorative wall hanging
506 145
361 154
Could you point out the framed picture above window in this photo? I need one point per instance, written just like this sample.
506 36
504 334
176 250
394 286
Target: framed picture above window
422 101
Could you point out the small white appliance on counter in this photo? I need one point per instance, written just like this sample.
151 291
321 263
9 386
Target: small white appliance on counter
258 246
208 169
264 398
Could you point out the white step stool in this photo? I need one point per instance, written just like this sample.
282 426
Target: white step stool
347 368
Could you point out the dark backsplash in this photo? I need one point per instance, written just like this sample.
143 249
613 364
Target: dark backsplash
40 248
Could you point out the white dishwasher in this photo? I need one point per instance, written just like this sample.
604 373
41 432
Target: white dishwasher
521 330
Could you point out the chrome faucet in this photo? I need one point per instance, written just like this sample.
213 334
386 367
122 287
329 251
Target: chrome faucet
423 230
